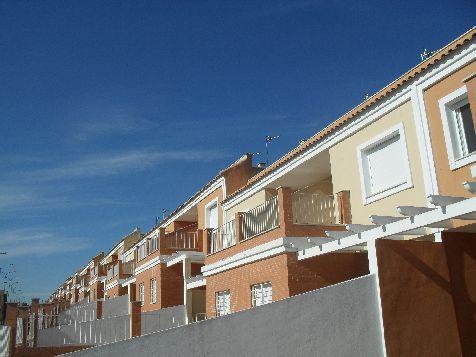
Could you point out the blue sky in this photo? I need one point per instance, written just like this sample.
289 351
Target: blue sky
112 111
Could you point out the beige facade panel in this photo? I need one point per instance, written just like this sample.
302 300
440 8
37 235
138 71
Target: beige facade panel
345 167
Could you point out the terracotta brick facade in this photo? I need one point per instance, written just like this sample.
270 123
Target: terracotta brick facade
169 286
287 275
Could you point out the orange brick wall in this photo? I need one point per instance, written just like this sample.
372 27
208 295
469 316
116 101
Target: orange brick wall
287 275
169 286
240 279
116 291
325 270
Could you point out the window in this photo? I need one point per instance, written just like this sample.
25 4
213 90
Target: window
141 294
261 294
384 165
153 291
458 128
211 214
142 251
222 302
152 244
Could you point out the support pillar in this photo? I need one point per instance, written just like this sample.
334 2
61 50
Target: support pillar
285 202
373 269
135 320
239 231
344 215
187 295
11 320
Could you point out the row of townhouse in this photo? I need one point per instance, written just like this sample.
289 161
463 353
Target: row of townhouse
242 239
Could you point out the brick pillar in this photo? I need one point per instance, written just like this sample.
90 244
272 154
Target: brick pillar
132 292
135 319
200 240
239 232
24 321
11 320
285 202
35 308
98 309
471 87
161 240
205 241
344 215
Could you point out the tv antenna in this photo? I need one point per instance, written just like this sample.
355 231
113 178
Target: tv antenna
426 54
268 139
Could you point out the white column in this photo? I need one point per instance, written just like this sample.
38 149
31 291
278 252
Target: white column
187 295
373 268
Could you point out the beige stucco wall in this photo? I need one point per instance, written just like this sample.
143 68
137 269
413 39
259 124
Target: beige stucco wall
345 167
323 187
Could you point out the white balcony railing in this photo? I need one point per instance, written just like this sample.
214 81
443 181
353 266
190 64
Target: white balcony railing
260 219
223 237
313 208
181 240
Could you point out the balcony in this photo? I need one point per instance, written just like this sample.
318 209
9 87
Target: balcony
114 270
313 209
128 268
222 237
95 272
182 239
288 214
260 219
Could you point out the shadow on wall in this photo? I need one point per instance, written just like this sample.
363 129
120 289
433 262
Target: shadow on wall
428 293
461 256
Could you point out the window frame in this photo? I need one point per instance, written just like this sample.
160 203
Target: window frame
362 152
447 110
260 286
222 294
207 208
153 291
142 294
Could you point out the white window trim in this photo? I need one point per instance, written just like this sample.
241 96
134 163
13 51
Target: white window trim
207 206
142 294
408 183
260 286
222 294
153 291
444 103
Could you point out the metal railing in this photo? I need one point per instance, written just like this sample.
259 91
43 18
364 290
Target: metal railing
181 239
222 237
313 208
260 219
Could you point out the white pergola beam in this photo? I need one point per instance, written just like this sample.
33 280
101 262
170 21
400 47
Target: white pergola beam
338 234
439 200
381 220
451 211
412 210
357 228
